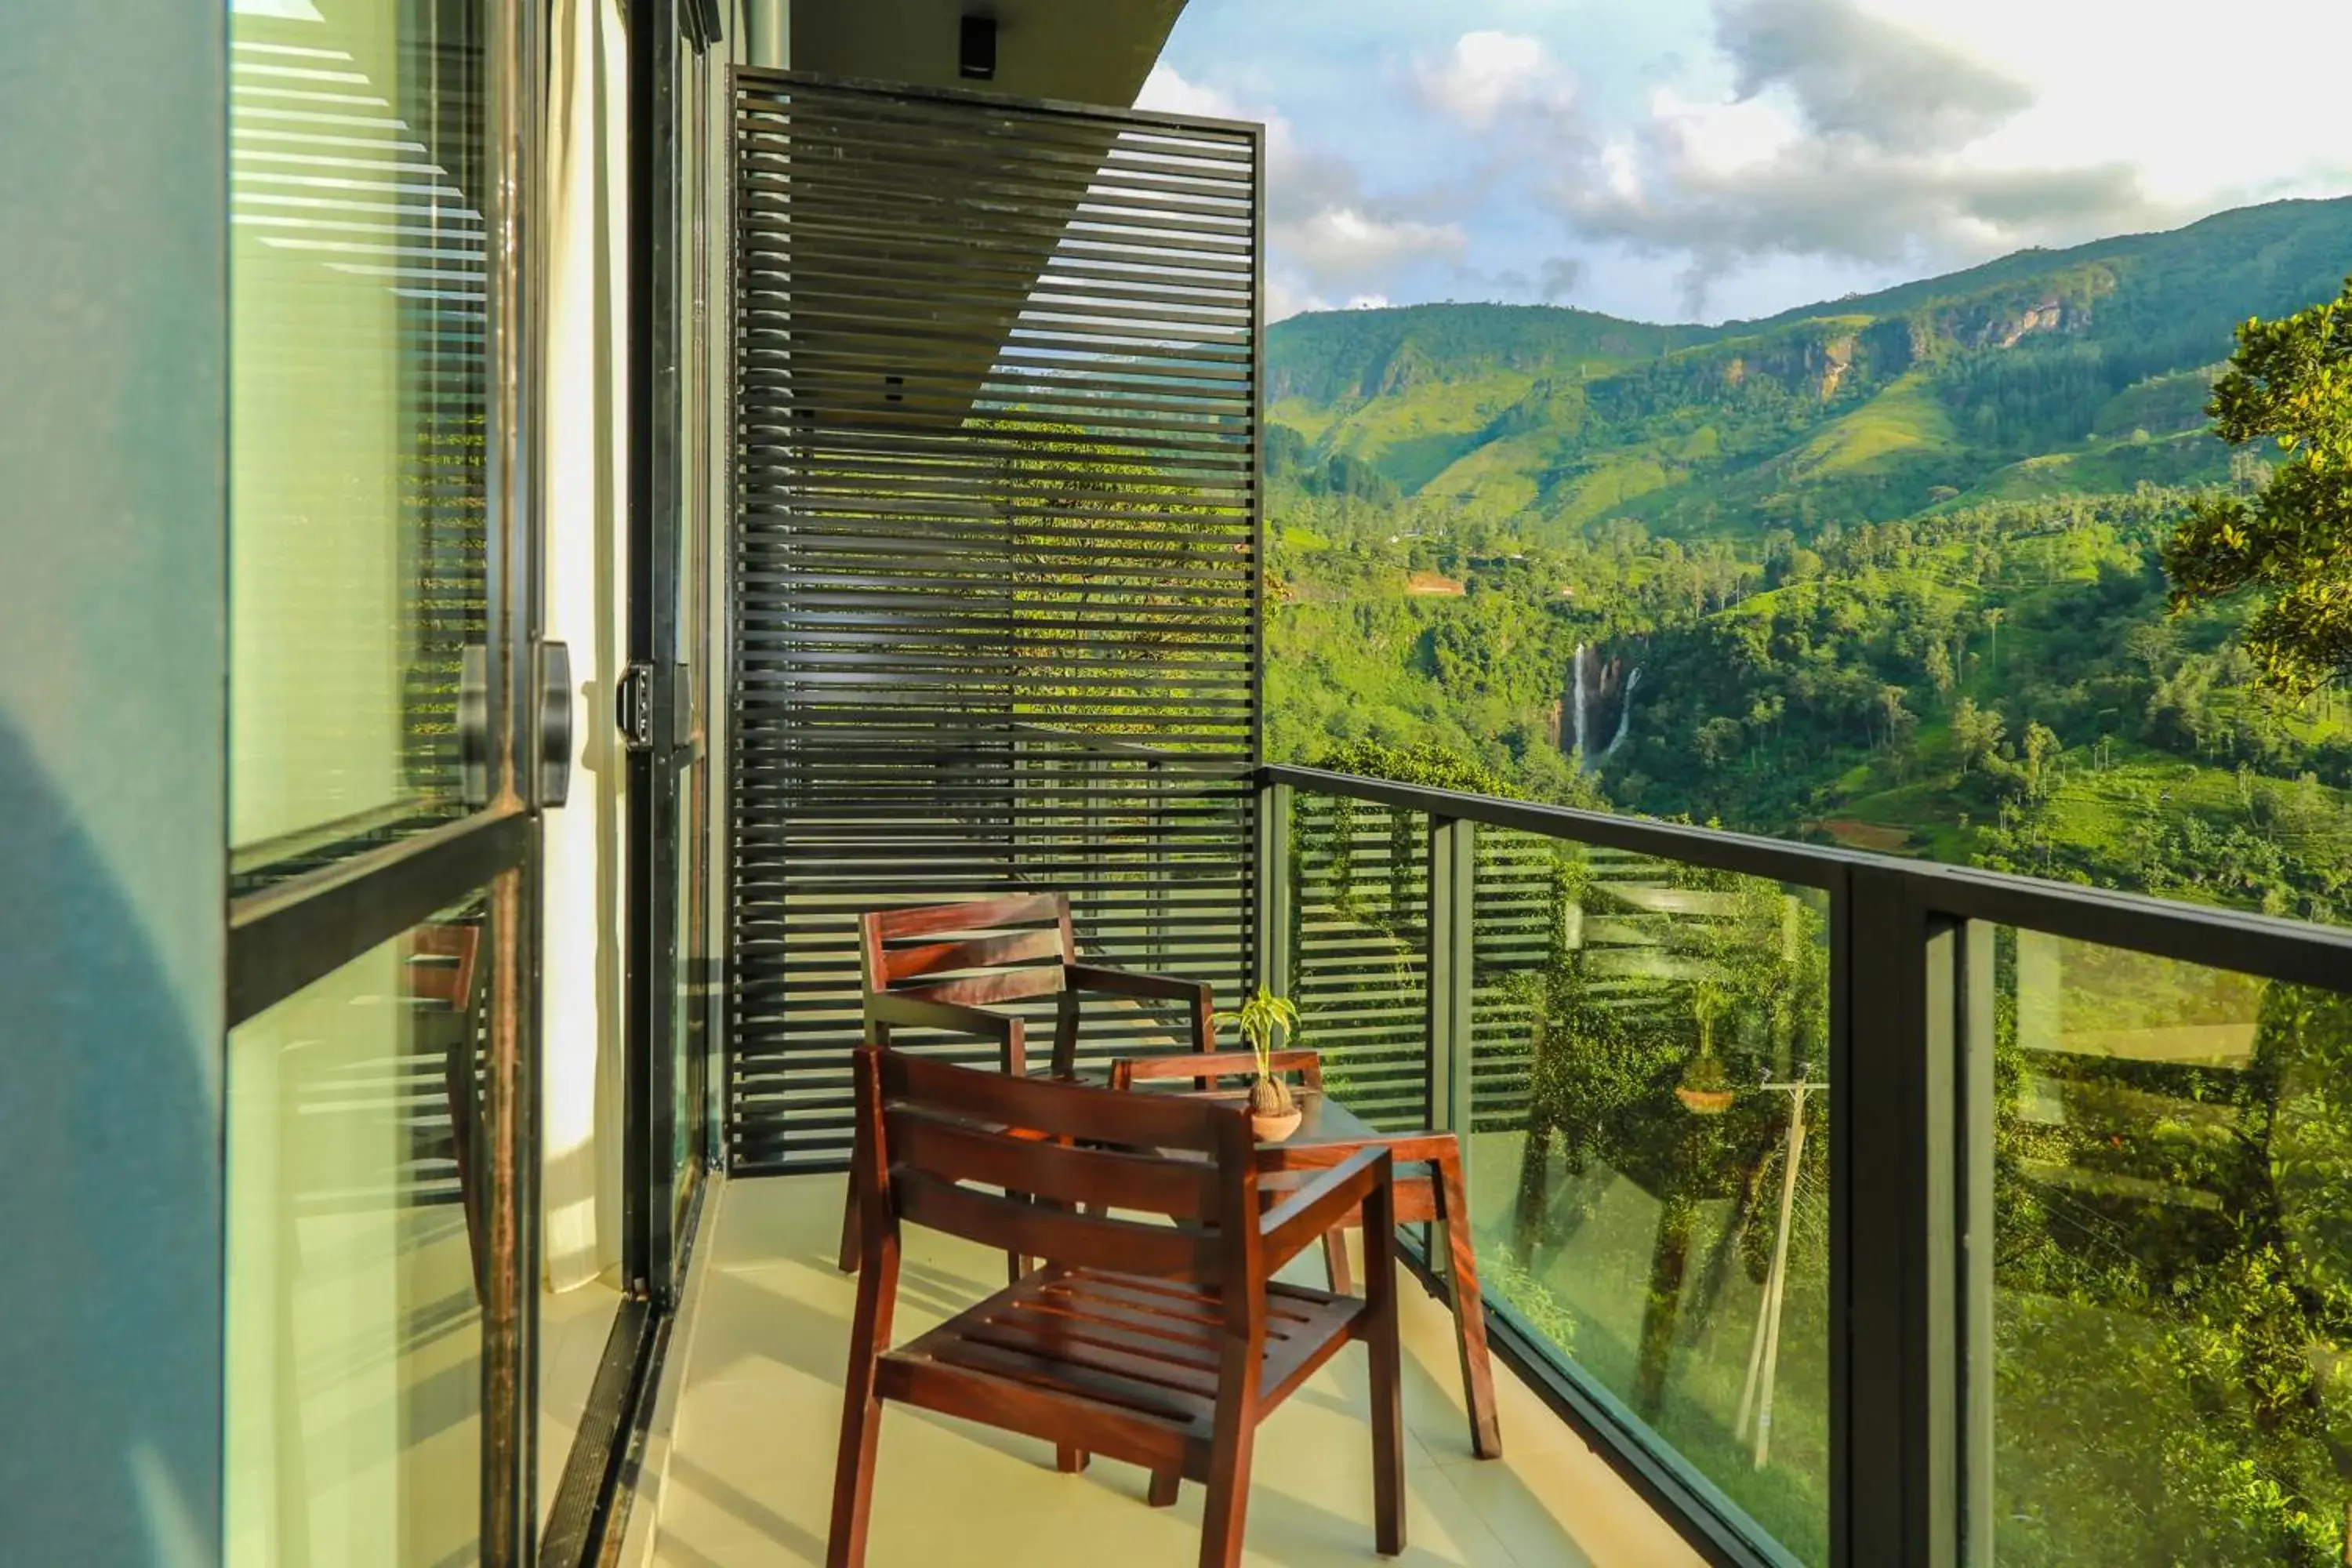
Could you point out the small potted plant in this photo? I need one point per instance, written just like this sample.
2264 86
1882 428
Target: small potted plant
1266 1020
1705 1088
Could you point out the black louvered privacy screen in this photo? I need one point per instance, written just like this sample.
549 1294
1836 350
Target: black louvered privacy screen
998 552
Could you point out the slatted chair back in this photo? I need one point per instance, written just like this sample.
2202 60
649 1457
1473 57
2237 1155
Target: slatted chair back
440 964
1205 1068
973 955
943 1133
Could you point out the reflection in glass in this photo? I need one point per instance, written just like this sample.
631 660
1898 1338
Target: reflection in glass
1650 1153
2172 1290
690 1010
358 400
354 1322
1358 952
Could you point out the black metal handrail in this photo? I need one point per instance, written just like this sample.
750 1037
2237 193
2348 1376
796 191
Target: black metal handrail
2269 946
1911 997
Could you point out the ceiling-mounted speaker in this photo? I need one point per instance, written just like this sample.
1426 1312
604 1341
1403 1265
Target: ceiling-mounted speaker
976 52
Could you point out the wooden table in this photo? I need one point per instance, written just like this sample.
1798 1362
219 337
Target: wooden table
1429 1188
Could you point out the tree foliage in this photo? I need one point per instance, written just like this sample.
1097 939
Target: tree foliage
2291 545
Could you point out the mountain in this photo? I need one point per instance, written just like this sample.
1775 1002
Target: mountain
2042 372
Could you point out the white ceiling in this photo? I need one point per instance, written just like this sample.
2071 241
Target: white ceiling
1085 51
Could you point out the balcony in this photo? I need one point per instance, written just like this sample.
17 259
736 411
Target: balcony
750 1475
1831 1208
1817 1195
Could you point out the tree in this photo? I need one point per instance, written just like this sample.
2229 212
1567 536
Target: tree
2291 381
1939 666
1974 731
2151 643
2041 749
1717 742
1899 722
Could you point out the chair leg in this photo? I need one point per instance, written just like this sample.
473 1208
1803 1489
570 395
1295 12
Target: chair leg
1069 1460
852 1484
457 1081
849 1249
861 1418
1381 1345
1165 1485
1227 1512
1335 1261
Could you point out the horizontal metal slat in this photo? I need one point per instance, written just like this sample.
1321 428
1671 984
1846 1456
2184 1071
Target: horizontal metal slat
997 553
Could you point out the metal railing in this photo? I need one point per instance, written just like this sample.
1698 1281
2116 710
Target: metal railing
1833 1196
1747 1122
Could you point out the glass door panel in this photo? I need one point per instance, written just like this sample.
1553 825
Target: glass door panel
375 1336
689 1002
360 575
355 1259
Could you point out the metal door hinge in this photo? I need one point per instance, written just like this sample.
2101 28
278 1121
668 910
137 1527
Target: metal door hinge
635 714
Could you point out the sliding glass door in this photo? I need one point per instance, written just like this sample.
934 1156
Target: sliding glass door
383 798
675 47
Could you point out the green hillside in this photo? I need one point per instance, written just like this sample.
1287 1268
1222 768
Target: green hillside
1819 537
1885 572
2043 373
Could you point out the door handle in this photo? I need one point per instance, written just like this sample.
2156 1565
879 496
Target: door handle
555 724
474 726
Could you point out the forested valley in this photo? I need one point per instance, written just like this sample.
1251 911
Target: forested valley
1772 638
1902 573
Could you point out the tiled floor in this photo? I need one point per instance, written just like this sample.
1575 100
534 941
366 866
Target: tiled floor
751 1473
572 1329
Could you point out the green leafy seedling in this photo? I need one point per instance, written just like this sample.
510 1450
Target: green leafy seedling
1266 1020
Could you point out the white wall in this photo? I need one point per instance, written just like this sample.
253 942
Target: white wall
113 666
586 332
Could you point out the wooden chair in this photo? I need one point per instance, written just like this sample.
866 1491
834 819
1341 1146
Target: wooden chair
1430 1189
947 966
441 964
1164 1344
1207 1068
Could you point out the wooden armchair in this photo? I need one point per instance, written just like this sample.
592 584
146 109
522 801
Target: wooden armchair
441 965
948 966
1164 1344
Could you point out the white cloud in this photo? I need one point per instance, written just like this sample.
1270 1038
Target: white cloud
1338 242
1167 92
1846 138
1326 233
1488 76
1285 297
1771 151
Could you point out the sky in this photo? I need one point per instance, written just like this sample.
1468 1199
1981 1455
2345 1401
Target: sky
1706 160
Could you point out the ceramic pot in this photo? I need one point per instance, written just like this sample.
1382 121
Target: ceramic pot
1275 1128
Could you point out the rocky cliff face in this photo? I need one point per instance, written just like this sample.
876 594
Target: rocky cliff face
2005 318
1808 364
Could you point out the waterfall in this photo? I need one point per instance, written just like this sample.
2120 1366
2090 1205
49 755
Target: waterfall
1576 753
1624 713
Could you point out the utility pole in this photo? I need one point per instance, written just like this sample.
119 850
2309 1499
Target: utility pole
1764 1349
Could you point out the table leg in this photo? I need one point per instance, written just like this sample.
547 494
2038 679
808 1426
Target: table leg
1469 1310
1335 1261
